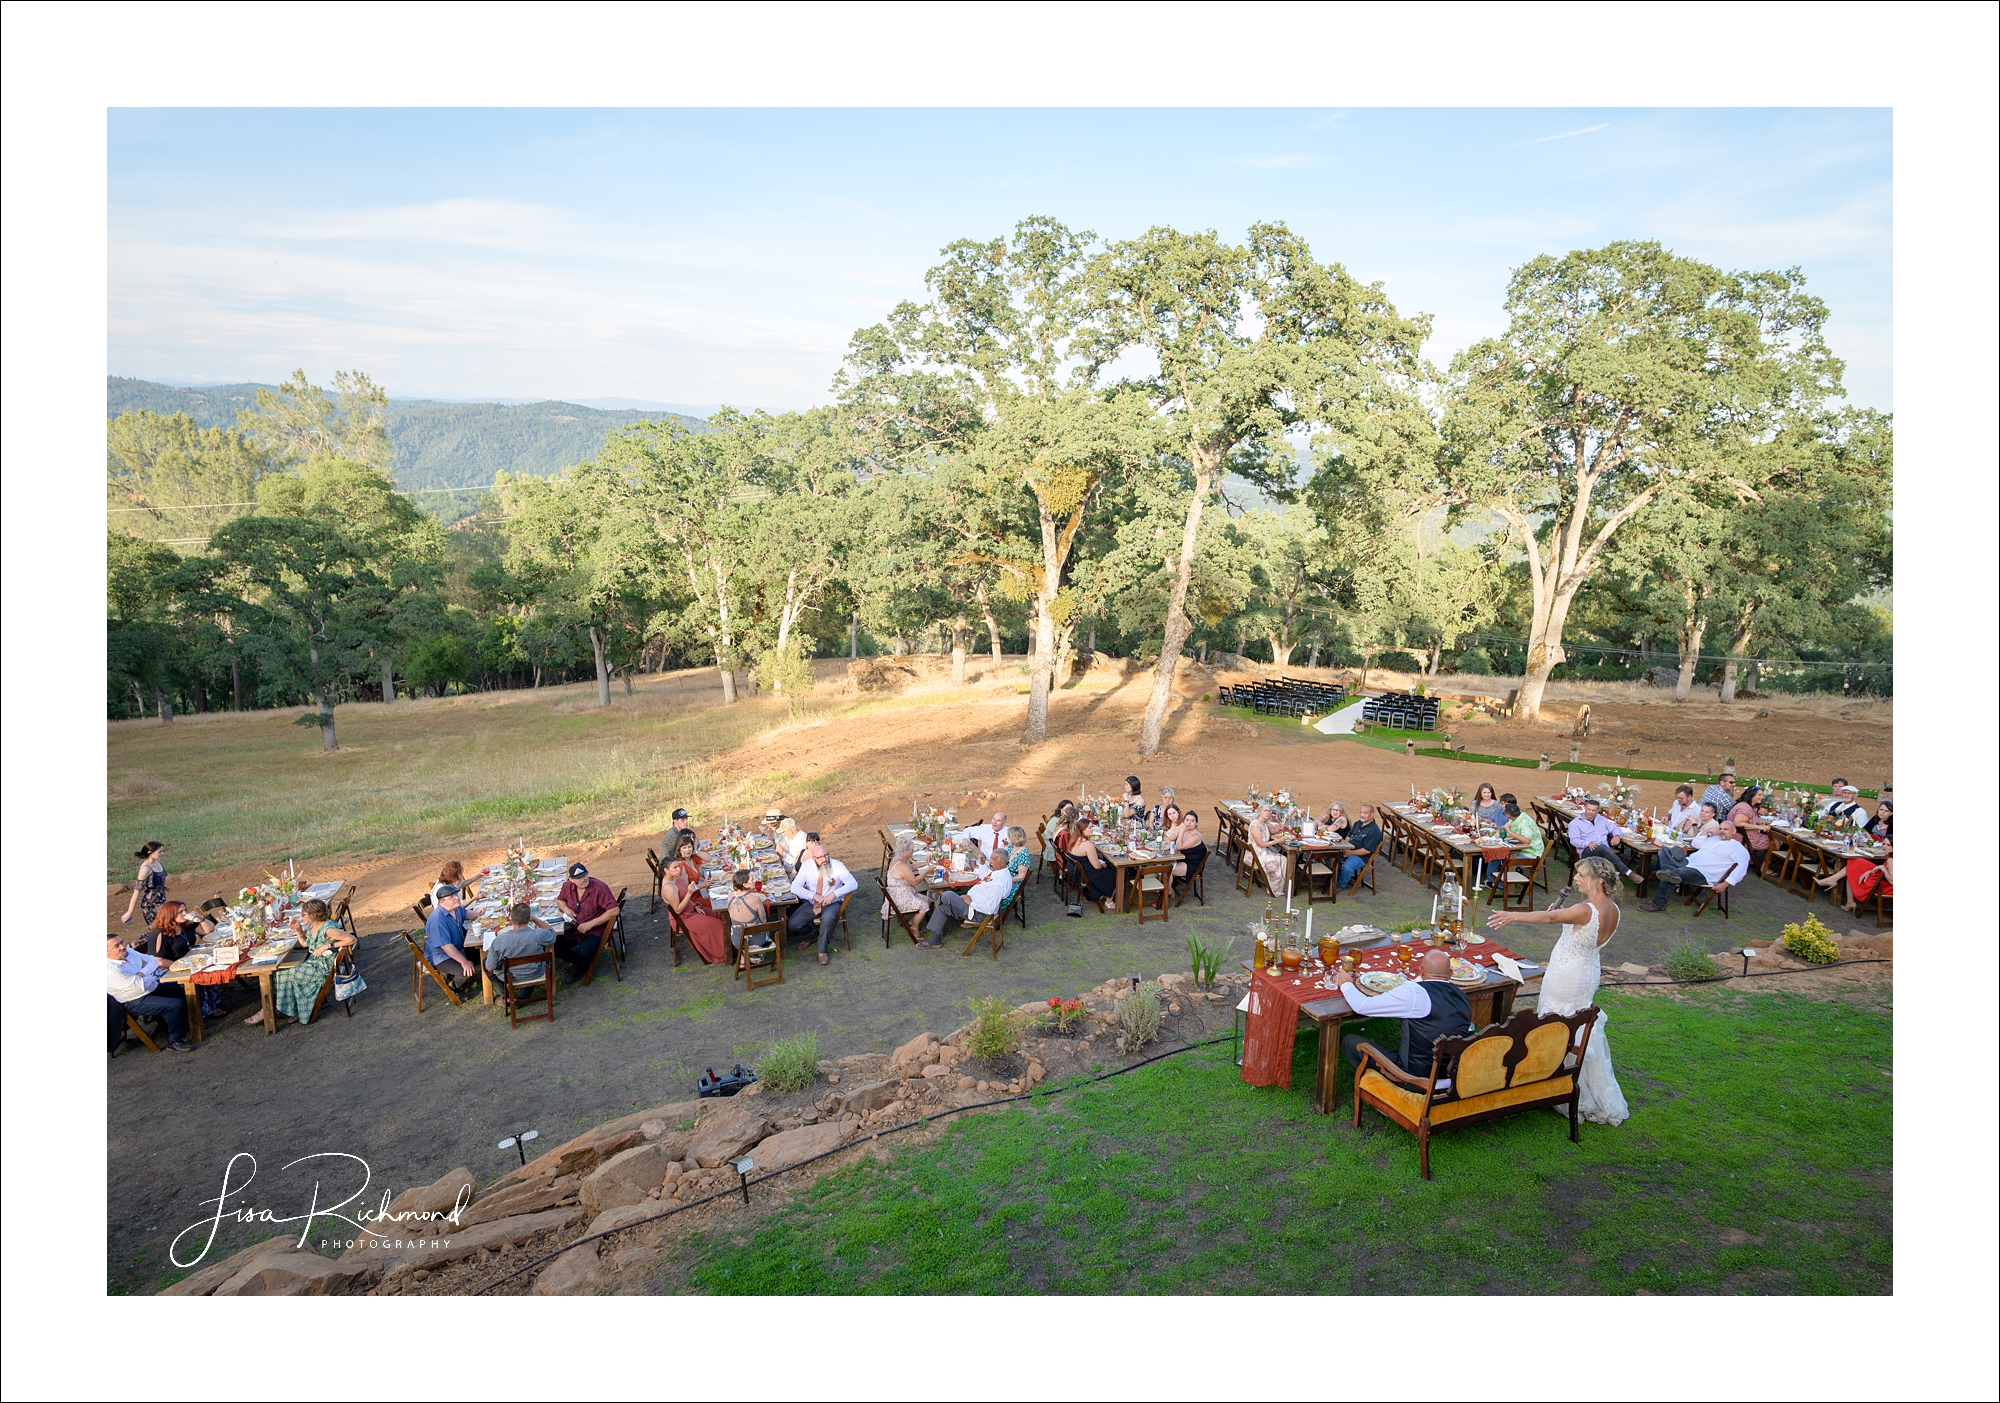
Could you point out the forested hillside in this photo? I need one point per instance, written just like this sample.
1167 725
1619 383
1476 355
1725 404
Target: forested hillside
437 444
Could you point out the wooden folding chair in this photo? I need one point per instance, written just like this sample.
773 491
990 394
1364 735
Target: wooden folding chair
1041 845
653 899
1884 892
906 919
1514 882
677 931
991 929
1814 863
422 966
1192 882
749 961
613 941
1155 881
511 989
1779 859
1367 875
1247 871
133 1027
1312 868
326 992
343 915
1708 894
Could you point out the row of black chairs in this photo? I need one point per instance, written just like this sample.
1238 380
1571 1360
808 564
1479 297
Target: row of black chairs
1286 696
1401 711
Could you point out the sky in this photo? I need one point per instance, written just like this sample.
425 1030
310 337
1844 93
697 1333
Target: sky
697 257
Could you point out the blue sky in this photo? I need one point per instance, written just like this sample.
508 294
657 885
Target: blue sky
725 256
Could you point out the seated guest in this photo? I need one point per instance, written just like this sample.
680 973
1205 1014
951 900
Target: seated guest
1845 806
1130 799
1683 808
902 887
1486 805
987 835
1019 860
1336 821
444 937
1882 827
1833 788
1722 793
1168 799
791 843
1863 876
1522 826
1594 835
680 885
1364 835
1100 878
670 842
588 909
133 980
452 874
1189 847
1754 830
295 989
1264 832
987 895
174 930
1702 823
1058 828
1430 1007
768 825
524 934
746 908
823 882
1717 862
1168 817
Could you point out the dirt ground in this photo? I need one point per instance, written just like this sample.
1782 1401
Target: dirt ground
415 1094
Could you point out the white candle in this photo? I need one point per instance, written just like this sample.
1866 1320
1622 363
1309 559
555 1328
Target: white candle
1434 910
1309 927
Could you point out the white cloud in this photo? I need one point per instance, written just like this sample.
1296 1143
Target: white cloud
1561 136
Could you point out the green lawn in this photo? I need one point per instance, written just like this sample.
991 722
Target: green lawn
1758 1160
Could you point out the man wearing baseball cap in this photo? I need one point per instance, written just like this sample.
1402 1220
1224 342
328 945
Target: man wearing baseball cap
588 909
670 841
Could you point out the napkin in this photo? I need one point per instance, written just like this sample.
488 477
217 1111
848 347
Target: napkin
1508 967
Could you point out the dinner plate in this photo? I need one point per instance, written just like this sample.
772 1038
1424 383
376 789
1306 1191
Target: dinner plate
1475 940
1380 981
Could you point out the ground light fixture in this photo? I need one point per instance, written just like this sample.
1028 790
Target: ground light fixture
1748 954
519 1144
743 1164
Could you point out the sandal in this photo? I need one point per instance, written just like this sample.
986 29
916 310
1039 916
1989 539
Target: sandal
822 957
254 1019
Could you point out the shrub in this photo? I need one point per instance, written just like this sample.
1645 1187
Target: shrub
1692 962
1812 942
1397 661
1062 1015
993 1033
790 1064
1206 959
1475 660
1139 1018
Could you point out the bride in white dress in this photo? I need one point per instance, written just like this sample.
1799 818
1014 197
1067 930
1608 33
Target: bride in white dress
1571 980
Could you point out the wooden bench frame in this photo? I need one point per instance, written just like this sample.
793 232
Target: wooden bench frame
1445 1055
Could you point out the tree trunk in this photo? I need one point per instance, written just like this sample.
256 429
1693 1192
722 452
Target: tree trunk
1281 649
853 636
198 695
1736 646
1037 729
958 650
327 739
388 680
1312 658
1065 653
1367 661
1437 656
901 645
603 674
166 707
1093 637
1545 653
992 625
728 678
1179 626
1204 652
626 673
1692 629
235 683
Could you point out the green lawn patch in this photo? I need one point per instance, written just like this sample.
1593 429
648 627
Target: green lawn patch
1758 1160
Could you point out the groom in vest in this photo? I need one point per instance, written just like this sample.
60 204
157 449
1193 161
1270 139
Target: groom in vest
1430 1007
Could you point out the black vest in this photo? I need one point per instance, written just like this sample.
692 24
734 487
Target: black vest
1450 1017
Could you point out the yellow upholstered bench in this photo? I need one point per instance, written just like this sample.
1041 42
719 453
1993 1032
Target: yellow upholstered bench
1530 1060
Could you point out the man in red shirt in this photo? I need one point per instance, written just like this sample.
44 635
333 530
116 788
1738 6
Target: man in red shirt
588 909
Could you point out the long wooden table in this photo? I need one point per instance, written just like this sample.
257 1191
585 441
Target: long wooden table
262 974
1492 1002
1645 850
1296 846
1469 850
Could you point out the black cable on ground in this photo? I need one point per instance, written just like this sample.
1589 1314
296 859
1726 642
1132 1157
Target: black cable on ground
744 1184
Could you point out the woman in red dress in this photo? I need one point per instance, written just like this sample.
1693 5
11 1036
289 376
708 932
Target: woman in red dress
1863 877
682 889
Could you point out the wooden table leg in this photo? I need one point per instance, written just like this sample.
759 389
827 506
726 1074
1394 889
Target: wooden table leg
1326 1075
485 984
193 997
1118 898
268 998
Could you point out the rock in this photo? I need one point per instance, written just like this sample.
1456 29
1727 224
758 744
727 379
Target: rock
425 1210
916 1052
625 1178
613 1219
982 1086
576 1272
871 1097
795 1146
1174 1007
294 1274
388 1256
527 1198
756 1088
965 1083
674 1173
205 1279
833 1077
1636 971
1036 1072
725 1136
421 1275
935 1071
600 1143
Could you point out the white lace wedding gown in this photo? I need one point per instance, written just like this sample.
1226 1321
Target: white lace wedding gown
1571 984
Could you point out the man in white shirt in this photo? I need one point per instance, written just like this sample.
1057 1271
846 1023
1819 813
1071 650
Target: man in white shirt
1719 862
987 834
1431 1007
1833 788
134 979
987 895
1845 806
821 885
1684 806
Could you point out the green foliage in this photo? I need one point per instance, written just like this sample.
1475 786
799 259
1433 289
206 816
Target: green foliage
1692 962
790 1064
1062 1015
1811 941
994 1031
1474 660
1138 1015
1205 958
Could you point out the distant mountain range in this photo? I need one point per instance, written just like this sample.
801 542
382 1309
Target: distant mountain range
438 443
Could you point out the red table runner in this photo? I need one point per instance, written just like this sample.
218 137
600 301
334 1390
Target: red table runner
1276 999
